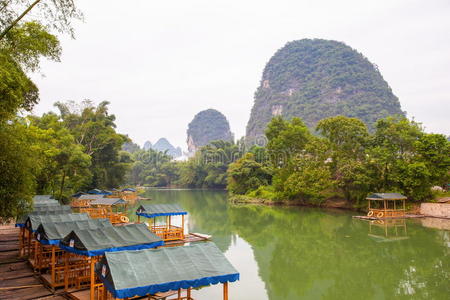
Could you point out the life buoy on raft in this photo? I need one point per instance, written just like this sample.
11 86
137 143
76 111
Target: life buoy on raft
124 219
380 214
370 213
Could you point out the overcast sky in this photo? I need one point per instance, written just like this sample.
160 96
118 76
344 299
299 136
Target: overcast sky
161 62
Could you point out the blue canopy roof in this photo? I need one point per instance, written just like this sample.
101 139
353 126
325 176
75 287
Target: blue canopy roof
99 192
158 210
139 273
95 242
128 190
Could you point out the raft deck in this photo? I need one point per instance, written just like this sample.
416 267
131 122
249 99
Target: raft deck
17 280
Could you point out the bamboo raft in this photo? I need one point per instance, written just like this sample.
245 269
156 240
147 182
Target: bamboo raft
407 216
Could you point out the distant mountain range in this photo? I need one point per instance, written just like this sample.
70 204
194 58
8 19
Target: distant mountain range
163 145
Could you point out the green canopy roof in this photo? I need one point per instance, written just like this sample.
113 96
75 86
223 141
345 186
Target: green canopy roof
156 210
51 233
91 197
33 221
98 241
108 201
387 196
45 210
39 198
45 204
139 273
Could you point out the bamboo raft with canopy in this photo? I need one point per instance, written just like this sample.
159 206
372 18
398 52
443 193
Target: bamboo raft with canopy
166 231
83 247
107 208
38 209
33 222
84 200
149 273
127 194
48 256
386 205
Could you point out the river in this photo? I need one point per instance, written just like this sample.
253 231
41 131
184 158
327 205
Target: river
310 253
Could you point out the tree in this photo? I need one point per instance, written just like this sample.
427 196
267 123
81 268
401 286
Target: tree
246 175
94 128
63 166
286 140
57 14
17 165
21 50
347 140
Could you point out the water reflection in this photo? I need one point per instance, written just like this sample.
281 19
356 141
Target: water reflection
305 253
389 230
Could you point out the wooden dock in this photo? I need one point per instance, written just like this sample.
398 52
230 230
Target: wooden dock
17 280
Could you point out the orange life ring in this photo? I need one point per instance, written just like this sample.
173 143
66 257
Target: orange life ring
370 213
380 214
124 219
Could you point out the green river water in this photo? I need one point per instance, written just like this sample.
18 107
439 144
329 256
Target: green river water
309 253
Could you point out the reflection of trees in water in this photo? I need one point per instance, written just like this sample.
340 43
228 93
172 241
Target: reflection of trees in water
306 253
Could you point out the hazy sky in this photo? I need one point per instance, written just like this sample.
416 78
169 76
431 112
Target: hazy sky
161 62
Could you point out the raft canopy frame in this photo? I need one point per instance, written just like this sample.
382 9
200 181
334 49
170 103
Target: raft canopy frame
140 273
47 253
384 205
103 208
167 231
89 244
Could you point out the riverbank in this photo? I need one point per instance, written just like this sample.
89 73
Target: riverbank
426 209
330 203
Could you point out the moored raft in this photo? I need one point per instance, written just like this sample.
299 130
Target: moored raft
129 274
103 208
82 247
167 231
47 253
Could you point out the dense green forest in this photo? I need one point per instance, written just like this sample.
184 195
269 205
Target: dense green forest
345 161
314 79
342 160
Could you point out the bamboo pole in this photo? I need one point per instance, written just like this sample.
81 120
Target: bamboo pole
66 271
179 294
53 265
182 224
225 291
29 244
189 294
92 278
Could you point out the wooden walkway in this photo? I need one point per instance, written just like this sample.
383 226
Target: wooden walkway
17 280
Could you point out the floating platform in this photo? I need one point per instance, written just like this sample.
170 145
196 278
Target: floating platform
189 238
389 218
